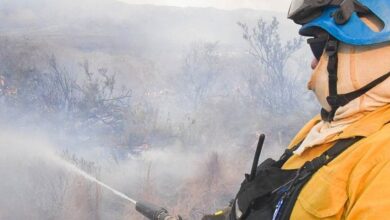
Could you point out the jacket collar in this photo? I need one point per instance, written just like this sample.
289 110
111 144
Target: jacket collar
368 125
364 127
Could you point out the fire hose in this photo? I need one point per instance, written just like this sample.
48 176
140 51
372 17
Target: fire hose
154 212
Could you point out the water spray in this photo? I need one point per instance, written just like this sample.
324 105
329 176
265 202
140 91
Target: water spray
148 210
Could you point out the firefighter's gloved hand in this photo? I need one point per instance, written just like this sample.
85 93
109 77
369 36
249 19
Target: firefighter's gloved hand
219 215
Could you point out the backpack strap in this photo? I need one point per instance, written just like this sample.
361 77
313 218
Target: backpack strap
288 153
311 167
305 173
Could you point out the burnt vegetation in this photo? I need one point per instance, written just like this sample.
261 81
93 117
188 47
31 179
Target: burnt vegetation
218 104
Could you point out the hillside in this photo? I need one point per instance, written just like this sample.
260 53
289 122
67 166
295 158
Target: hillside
162 103
116 27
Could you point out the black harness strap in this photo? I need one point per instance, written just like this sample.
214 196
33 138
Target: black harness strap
288 153
306 172
344 99
273 192
332 49
334 99
329 155
340 147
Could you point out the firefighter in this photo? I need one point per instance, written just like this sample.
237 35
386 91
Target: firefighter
338 165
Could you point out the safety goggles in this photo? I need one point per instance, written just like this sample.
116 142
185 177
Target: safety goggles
318 43
304 11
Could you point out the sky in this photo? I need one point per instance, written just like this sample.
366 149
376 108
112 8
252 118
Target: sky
274 5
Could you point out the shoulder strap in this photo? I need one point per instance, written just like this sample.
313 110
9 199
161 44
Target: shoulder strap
343 99
311 167
288 153
307 170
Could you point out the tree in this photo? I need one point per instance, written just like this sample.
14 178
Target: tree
86 103
274 89
102 104
201 67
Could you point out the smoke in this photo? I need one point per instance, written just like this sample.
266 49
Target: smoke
39 181
155 102
222 4
27 175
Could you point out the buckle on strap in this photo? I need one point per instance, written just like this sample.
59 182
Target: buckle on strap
317 163
310 167
333 77
332 47
344 13
333 100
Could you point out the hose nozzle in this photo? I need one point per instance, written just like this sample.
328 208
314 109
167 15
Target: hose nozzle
154 212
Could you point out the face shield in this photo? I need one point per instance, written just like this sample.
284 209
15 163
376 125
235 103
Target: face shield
304 11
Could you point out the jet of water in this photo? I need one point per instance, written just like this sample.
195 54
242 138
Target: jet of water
75 169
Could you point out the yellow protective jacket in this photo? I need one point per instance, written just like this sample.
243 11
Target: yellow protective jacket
355 185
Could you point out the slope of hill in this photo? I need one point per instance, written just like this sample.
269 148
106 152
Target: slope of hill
116 27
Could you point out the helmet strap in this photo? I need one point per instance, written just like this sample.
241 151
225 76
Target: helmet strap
334 99
331 49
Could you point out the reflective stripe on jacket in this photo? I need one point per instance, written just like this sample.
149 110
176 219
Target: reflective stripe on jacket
356 185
